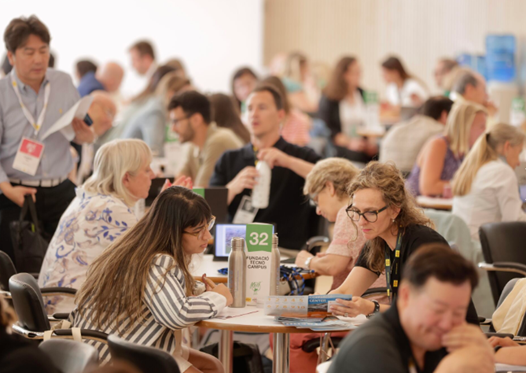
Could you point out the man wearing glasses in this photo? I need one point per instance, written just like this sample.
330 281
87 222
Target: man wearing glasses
191 120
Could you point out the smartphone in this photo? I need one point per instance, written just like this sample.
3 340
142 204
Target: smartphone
88 120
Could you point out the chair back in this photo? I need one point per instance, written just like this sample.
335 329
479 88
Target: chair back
28 303
7 269
505 292
502 242
70 356
146 359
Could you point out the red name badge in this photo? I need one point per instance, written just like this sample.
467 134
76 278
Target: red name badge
28 156
31 148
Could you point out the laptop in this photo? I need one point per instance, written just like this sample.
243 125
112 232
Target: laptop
223 239
215 196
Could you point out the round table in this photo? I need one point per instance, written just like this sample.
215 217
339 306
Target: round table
258 322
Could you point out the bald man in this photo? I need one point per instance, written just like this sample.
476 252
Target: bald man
102 111
110 75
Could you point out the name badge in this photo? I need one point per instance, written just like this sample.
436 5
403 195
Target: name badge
28 156
245 213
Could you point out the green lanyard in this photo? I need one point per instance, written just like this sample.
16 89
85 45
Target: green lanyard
392 268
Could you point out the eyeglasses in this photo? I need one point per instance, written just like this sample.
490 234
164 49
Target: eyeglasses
370 216
201 234
175 122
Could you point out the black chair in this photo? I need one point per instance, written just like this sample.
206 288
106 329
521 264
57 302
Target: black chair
146 359
504 253
32 318
7 269
70 356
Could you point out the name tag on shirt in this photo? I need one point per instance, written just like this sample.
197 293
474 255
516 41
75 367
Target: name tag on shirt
246 213
28 156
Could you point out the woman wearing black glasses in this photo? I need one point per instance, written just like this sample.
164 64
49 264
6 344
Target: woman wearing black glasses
384 210
141 288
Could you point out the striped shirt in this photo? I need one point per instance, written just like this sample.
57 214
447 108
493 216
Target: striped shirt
166 310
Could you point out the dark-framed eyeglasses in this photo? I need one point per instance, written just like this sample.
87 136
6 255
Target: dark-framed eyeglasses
201 234
175 122
370 216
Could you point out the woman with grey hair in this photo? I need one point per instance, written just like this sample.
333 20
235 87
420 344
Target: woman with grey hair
100 214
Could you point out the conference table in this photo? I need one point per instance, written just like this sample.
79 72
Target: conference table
258 322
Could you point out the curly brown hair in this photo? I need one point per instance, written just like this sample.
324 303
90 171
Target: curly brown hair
386 178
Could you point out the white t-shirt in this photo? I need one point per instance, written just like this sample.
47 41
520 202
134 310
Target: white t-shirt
352 116
494 197
402 97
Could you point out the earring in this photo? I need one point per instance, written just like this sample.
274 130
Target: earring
393 220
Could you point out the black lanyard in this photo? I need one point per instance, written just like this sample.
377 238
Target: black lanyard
392 267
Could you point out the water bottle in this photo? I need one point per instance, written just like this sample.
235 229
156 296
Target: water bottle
237 272
274 266
261 192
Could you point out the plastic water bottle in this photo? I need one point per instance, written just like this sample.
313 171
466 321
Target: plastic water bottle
274 266
237 272
261 191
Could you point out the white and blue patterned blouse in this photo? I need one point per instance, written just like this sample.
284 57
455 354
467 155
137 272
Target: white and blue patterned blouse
89 225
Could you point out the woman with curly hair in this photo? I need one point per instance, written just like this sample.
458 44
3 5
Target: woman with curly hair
394 228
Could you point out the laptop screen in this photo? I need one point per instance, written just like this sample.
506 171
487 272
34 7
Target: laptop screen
522 189
223 238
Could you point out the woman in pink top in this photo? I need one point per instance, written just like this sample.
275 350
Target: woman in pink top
326 185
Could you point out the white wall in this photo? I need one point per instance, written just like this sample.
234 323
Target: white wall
212 37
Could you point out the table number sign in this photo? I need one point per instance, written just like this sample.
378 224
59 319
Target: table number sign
259 246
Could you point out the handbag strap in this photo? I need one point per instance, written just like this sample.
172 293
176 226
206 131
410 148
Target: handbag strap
30 205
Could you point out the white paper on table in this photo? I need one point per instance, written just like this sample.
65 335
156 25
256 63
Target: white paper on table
509 368
229 313
63 124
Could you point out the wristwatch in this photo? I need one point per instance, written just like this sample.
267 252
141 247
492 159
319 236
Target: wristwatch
307 262
376 308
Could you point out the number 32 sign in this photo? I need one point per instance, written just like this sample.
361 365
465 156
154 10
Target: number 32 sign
258 237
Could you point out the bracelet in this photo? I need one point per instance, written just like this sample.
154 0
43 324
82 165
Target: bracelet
307 262
376 308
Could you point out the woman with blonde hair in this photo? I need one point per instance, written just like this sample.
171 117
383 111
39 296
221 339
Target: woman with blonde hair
442 156
101 213
485 188
326 185
141 288
394 228
300 85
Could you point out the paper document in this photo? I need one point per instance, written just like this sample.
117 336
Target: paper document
229 313
63 124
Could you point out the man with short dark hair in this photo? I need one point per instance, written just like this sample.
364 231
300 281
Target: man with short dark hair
143 58
191 120
426 323
295 219
404 141
32 99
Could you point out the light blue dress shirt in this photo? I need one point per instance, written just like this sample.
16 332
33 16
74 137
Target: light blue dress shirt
56 161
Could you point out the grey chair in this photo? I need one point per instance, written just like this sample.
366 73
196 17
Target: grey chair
33 320
146 359
7 269
70 356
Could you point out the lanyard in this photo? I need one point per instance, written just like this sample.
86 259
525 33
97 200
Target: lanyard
255 150
38 124
392 270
